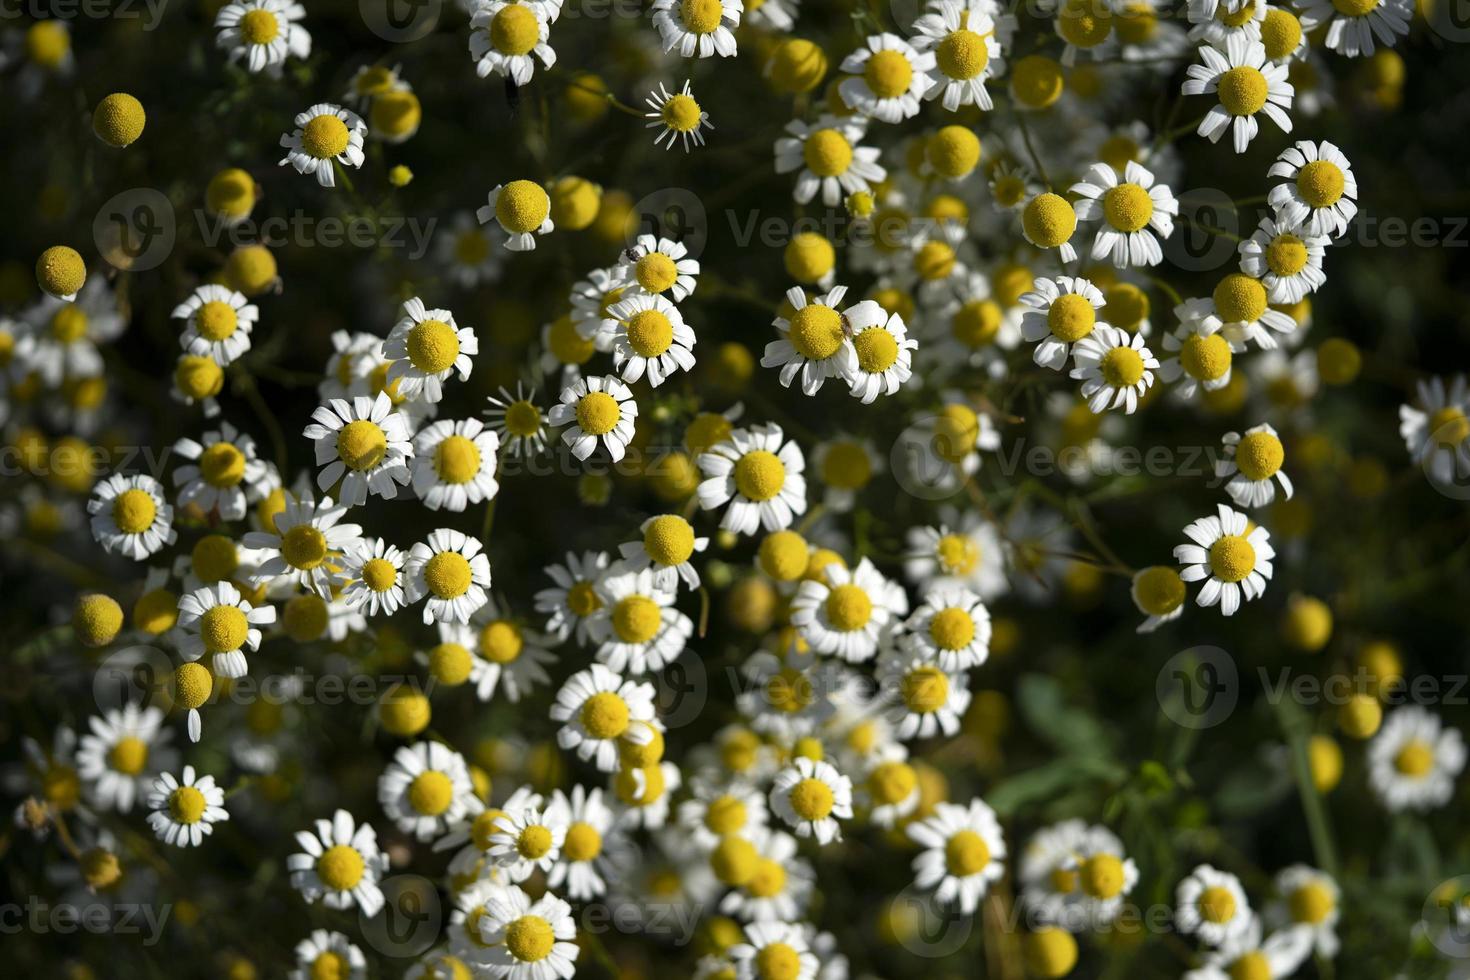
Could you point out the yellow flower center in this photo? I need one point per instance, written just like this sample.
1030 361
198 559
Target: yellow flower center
669 540
888 74
222 465
567 345
957 554
759 475
1311 903
1281 33
877 350
501 642
778 961
430 793
1251 965
769 879
966 853
223 629
1037 81
259 27
1049 220
1137 24
725 815
1102 876
788 690
69 324
1259 455
1232 558
433 346
450 664
734 860
925 689
636 619
304 547
471 247
892 782
681 114
816 331
1063 881
1160 590
597 413
952 629
848 608
361 445
522 419
1071 317
324 137
1355 8
1216 904
1128 207
1205 358
47 44
934 260
604 715
1321 183
1240 299
846 464
186 805
515 31
977 323
457 459
962 54
448 574
1415 759
582 599
1084 23
523 205
1236 18
128 756
656 272
701 16
133 511
1242 90
534 842
1449 427
811 799
1121 367
340 868
955 432
1286 255
827 153
650 333
198 377
330 966
216 320
583 842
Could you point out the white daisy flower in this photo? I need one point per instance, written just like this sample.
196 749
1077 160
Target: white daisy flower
1414 760
1250 461
774 949
426 346
130 516
364 444
1011 186
64 334
1059 312
596 707
262 33
508 38
667 545
817 339
678 114
644 793
883 351
593 851
376 584
979 329
659 266
698 27
811 797
185 809
962 38
326 135
1216 21
354 354
573 598
223 474
1159 594
637 628
499 652
846 615
759 473
426 789
650 338
216 620
1320 192
951 627
963 853
465 252
717 810
968 553
1243 309
1436 431
1353 24
526 840
1115 369
1049 221
451 572
1202 355
1244 954
788 698
306 546
528 941
454 464
596 409
1234 562
830 157
371 81
339 865
217 323
328 954
1310 902
891 787
1286 258
517 420
923 699
888 78
845 466
1246 83
1134 214
1212 906
521 208
121 756
1104 877
1048 883
592 301
779 884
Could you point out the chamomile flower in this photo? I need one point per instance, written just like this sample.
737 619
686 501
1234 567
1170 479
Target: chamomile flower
651 338
1158 592
963 854
450 570
1197 354
1211 906
426 788
593 849
325 137
1086 28
1352 26
216 620
1049 221
185 809
679 115
454 464
978 329
574 597
328 954
951 626
758 472
64 334
262 33
962 38
1311 903
774 948
595 708
1115 368
883 351
522 208
528 941
698 28
1216 21
223 472
1436 429
1134 214
1059 313
425 347
1250 461
1320 192
716 810
967 553
810 797
1011 186
364 444
465 252
1048 882
848 613
891 787
787 697
1286 259
637 628
130 516
922 698
376 584
1235 560
1414 760
779 885
508 38
887 78
517 420
1104 876
644 792
217 323
830 157
845 466
1244 954
525 840
371 81
1242 307
596 409
307 545
667 545
121 755
339 865
816 341
593 298
1246 83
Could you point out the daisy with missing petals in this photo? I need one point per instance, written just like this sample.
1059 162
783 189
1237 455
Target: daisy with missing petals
504 37
130 517
1104 876
1286 259
966 52
1320 192
667 544
517 420
680 116
1414 760
658 266
1247 84
306 545
425 346
1159 594
651 338
339 865
810 797
375 580
262 33
573 597
698 27
845 612
1436 430
1059 313
451 571
185 809
774 949
595 708
963 854
817 339
1212 906
883 351
1245 955
967 552
1245 314
526 941
217 323
829 157
1250 461
454 464
637 628
328 954
951 626
596 408
891 787
758 472
1353 24
1049 221
1196 353
364 444
522 208
1234 561
1310 902
1135 214
923 699
325 135
222 472
119 758
888 79
426 789
216 620
1114 367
